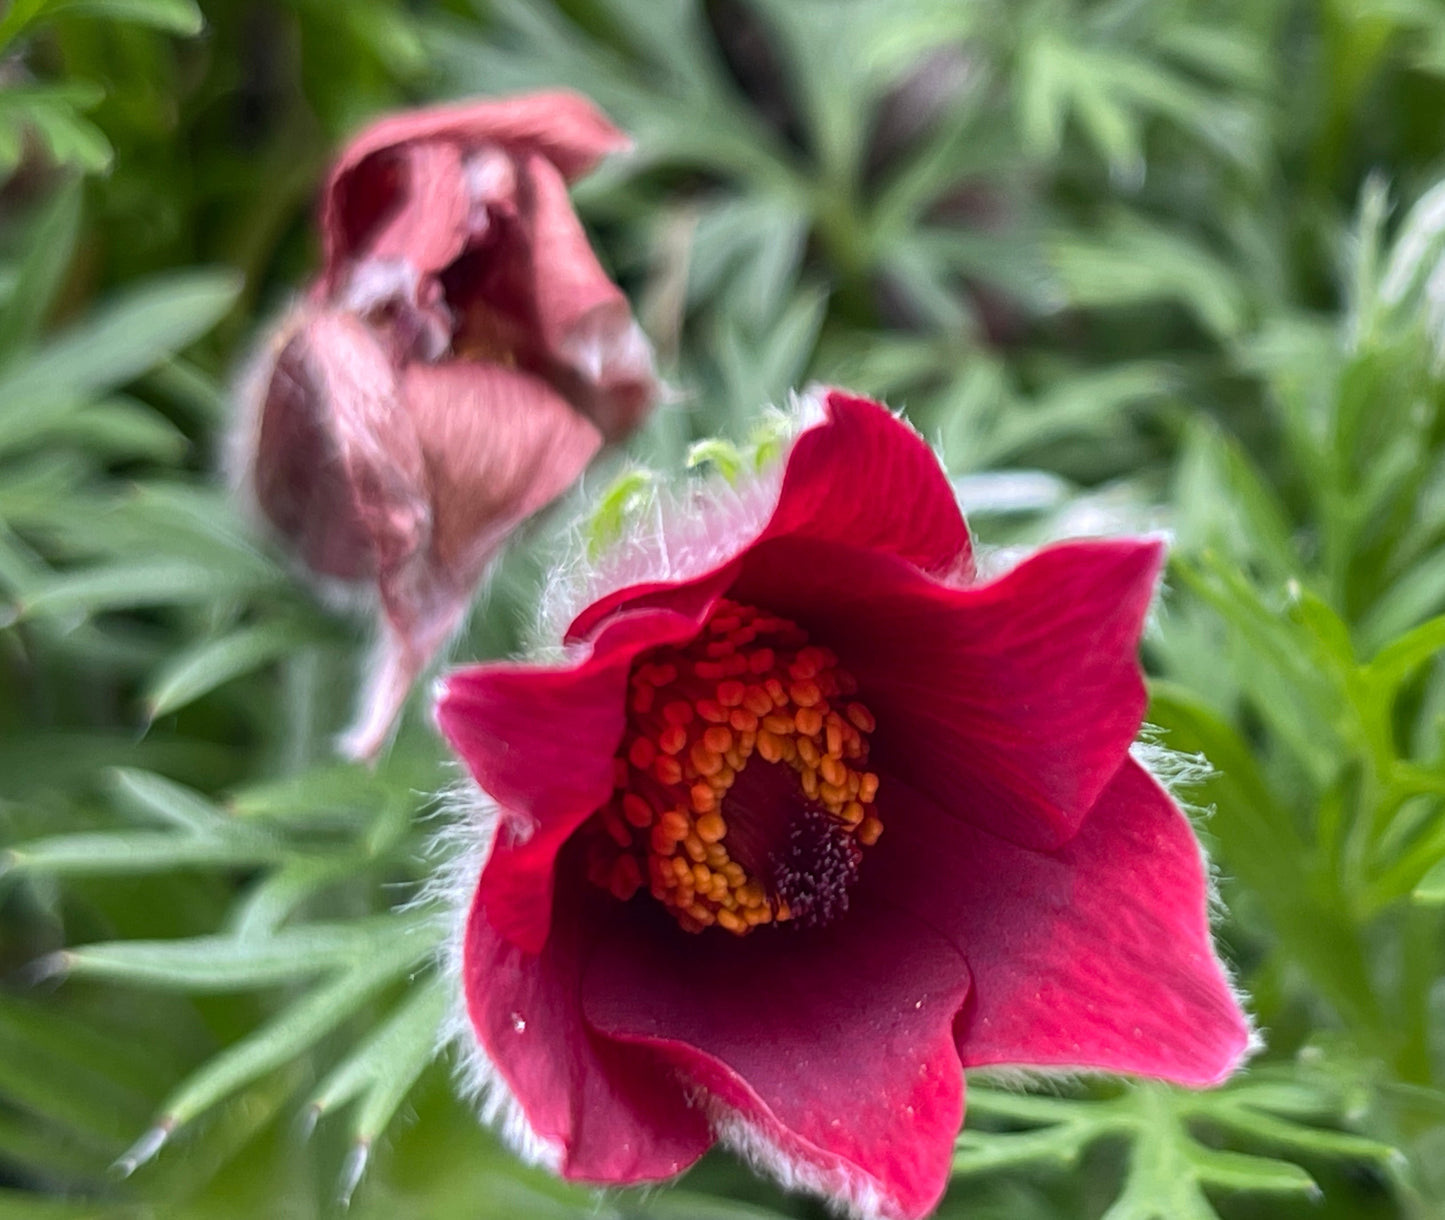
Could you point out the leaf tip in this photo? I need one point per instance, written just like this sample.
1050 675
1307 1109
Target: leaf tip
144 1149
352 1172
45 969
306 1123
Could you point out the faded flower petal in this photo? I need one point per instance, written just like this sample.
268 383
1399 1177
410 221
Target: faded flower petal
459 361
367 183
829 722
337 466
496 445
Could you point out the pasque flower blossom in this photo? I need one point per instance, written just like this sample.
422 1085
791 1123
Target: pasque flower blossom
459 360
808 818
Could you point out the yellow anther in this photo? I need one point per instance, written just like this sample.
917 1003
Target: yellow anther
805 665
678 712
731 693
711 828
731 922
869 831
742 719
637 811
805 694
758 701
615 827
626 878
706 762
718 739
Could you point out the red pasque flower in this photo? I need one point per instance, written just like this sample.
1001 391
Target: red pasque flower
811 820
459 360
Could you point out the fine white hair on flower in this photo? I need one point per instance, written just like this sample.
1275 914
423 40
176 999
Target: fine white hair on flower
1182 774
847 1190
469 823
672 532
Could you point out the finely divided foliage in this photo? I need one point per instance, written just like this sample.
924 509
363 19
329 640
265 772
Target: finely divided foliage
1126 267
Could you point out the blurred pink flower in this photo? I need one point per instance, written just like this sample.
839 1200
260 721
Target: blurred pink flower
812 818
460 359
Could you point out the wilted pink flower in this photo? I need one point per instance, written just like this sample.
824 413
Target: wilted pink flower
812 818
460 359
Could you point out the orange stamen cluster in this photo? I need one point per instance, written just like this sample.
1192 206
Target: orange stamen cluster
749 685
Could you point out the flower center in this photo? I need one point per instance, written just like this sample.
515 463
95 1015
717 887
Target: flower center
742 791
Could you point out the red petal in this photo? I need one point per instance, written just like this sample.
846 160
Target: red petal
364 186
1012 703
835 1046
616 1113
540 742
868 480
1097 955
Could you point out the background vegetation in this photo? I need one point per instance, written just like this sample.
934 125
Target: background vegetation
1131 265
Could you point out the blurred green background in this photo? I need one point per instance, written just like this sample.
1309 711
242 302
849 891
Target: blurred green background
1175 264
